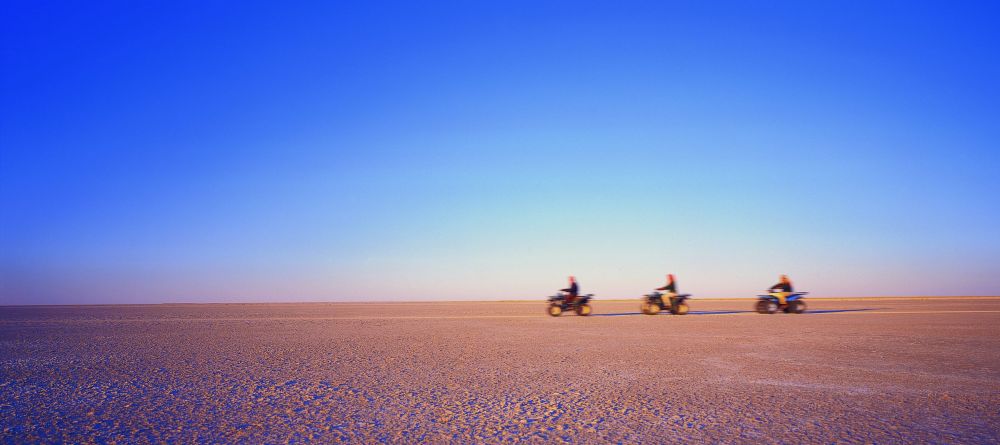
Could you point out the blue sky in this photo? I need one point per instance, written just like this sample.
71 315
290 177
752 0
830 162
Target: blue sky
213 151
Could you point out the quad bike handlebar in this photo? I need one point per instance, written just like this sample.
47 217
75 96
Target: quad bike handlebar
655 294
563 295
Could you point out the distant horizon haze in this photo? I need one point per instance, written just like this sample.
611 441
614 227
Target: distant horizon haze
527 300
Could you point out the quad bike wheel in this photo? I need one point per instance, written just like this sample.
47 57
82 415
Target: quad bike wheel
681 309
766 307
555 310
583 309
796 307
761 307
644 307
650 308
772 307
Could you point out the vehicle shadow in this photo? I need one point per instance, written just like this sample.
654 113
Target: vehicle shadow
715 312
618 314
621 314
834 311
807 312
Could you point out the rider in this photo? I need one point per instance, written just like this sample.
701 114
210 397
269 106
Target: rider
670 288
782 290
572 291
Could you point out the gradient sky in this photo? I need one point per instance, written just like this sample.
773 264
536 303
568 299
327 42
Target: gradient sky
214 151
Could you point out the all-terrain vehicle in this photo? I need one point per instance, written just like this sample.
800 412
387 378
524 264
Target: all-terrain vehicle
580 304
770 303
653 303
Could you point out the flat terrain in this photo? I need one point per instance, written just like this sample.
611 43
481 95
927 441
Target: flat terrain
849 371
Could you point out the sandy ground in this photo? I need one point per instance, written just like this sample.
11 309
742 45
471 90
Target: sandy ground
861 371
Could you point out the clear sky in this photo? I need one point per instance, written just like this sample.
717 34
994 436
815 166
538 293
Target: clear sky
214 151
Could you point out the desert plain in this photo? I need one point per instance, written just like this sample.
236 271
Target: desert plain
917 370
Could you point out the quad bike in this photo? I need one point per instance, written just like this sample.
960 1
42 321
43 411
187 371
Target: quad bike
653 303
580 304
770 303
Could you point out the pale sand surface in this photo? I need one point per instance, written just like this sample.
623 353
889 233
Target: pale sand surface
851 371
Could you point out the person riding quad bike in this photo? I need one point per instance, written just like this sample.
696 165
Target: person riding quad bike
782 296
570 299
653 302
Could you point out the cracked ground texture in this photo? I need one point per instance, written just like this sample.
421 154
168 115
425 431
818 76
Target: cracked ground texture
848 371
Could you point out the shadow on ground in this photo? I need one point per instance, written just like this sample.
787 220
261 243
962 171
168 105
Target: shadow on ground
834 311
620 314
825 311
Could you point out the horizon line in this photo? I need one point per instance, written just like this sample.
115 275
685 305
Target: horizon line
534 300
